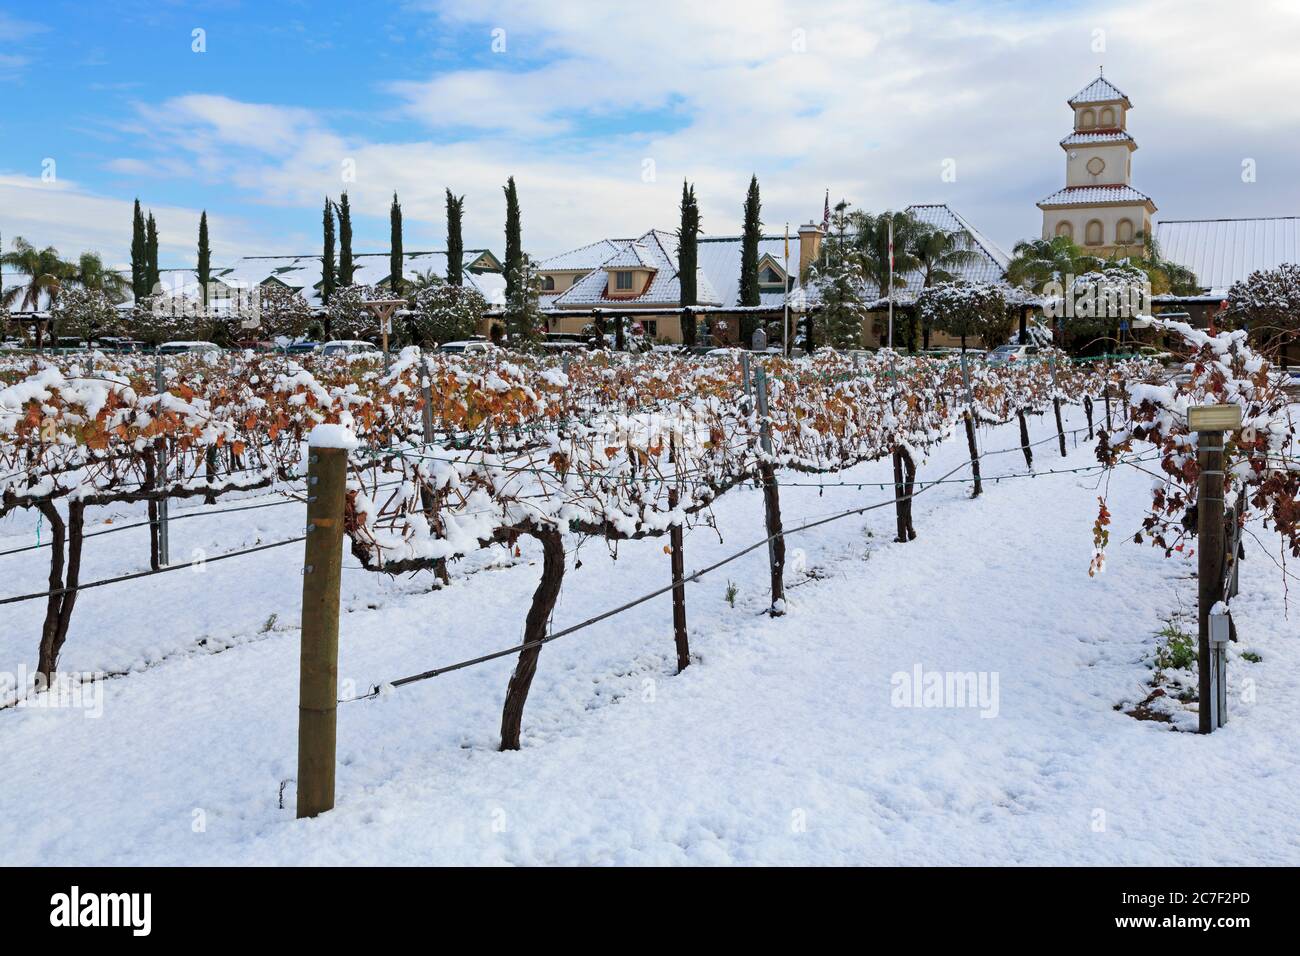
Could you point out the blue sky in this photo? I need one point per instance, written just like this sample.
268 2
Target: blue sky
599 110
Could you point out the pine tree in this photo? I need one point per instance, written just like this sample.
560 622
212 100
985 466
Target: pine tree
688 260
514 248
749 259
327 276
841 283
204 270
139 257
151 253
395 260
455 244
345 241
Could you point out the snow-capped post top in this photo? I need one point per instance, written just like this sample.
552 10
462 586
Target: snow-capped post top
332 436
1214 418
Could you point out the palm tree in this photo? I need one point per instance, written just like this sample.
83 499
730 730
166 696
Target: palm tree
44 270
941 254
871 243
45 273
1040 262
1165 275
90 273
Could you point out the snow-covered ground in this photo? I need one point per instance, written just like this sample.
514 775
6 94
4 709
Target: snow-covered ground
781 743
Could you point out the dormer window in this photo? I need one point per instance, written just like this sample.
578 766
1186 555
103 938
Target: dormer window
623 281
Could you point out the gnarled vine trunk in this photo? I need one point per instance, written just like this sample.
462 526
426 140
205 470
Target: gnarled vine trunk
63 596
548 590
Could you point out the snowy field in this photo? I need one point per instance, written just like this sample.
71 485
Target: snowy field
780 744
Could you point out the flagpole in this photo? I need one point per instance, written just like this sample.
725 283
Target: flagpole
785 320
891 282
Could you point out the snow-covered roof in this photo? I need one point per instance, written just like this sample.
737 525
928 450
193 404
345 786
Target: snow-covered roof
632 256
1222 251
583 258
657 251
1100 90
303 272
718 280
1093 137
719 259
1118 193
994 260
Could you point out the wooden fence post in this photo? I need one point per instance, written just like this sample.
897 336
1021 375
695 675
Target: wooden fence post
1056 406
1210 422
970 428
426 393
771 501
160 477
678 560
318 666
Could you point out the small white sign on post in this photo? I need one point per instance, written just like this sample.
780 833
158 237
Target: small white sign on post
1214 418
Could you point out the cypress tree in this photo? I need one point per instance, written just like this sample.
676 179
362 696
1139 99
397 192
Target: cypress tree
514 250
751 234
204 270
395 261
749 247
139 259
327 255
688 260
151 253
455 245
345 241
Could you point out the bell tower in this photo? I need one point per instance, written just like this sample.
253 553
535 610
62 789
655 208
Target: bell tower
1099 209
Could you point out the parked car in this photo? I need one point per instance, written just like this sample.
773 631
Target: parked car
349 347
468 347
301 348
119 344
559 342
183 348
1145 351
257 345
1011 353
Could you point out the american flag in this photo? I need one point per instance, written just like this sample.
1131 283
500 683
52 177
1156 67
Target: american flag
826 213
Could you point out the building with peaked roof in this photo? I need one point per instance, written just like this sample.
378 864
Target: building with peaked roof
637 280
1098 207
302 273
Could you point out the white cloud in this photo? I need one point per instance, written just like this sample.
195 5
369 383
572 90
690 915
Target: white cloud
868 99
73 220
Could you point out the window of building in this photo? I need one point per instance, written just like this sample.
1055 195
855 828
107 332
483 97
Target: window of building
1093 234
623 281
651 327
1108 117
1096 165
548 283
1065 229
1124 231
1087 119
770 276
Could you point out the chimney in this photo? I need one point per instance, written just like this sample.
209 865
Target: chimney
810 247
